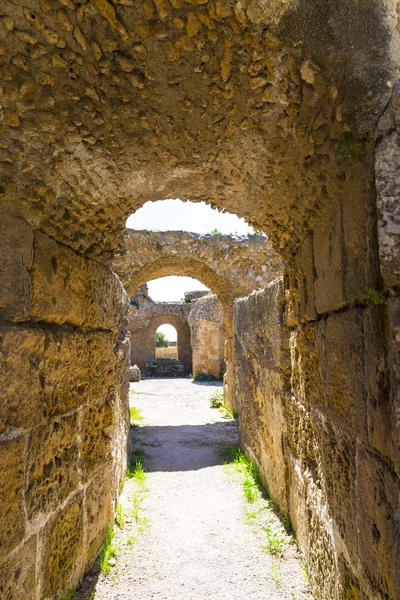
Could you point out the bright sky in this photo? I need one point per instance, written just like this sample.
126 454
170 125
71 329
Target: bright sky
175 215
170 332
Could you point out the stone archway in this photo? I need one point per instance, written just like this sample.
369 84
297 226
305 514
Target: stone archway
143 341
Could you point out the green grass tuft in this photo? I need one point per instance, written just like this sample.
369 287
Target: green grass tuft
69 595
135 415
109 551
274 541
226 413
217 398
119 516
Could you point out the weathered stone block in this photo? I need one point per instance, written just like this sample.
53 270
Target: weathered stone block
99 511
313 526
262 383
58 283
340 346
328 252
68 288
300 295
52 469
303 439
98 425
16 257
381 400
21 354
306 378
338 469
18 573
62 549
108 302
134 373
376 505
387 156
12 469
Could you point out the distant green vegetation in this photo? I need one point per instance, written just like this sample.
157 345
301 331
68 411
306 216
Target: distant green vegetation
205 377
161 340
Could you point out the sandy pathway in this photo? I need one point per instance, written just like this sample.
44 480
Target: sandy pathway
198 543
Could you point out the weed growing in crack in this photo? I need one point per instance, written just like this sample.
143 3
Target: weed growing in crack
109 551
119 516
276 573
135 415
131 540
137 455
274 541
226 413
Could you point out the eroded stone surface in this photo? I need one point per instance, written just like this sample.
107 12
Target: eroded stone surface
18 573
12 517
208 335
231 266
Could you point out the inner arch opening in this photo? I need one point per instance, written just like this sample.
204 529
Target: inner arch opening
178 215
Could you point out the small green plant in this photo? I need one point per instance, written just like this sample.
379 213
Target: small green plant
119 516
137 455
348 149
274 541
259 232
217 398
161 340
139 474
205 377
109 551
91 597
135 415
131 541
305 570
215 231
69 595
276 573
374 296
226 413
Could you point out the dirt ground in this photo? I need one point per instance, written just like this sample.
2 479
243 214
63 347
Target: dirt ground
195 536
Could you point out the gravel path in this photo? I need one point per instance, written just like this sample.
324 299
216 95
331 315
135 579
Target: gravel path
197 543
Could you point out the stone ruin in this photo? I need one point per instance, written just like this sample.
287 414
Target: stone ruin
233 266
286 113
201 335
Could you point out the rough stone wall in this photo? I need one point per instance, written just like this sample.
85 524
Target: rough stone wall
232 266
146 318
63 410
262 387
322 425
208 335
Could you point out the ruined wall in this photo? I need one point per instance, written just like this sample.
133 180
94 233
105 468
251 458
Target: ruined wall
146 318
231 266
208 335
262 386
63 411
317 411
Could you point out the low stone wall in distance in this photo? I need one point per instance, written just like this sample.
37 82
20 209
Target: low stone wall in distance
208 335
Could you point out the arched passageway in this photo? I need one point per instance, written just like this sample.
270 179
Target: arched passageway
143 342
287 114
